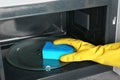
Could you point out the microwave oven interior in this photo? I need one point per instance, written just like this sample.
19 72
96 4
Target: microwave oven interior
86 24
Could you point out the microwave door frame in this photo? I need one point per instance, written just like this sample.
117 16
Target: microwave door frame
2 77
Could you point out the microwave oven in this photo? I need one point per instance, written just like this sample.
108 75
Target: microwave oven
93 21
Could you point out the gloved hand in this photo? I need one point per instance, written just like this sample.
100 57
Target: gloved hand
108 54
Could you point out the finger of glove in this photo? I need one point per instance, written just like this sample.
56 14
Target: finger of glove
73 57
67 58
77 44
70 41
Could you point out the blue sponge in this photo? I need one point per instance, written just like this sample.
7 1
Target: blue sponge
51 51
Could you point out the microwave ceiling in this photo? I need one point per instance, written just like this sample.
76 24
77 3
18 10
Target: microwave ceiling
17 8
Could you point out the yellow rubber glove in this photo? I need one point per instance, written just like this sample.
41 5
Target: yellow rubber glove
108 54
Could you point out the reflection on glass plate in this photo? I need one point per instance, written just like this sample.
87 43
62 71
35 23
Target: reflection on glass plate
27 55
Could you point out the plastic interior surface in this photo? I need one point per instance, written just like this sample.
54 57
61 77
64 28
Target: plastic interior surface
51 51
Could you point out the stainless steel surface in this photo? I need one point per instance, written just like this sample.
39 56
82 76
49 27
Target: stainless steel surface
8 3
116 70
117 39
40 25
1 67
110 30
108 75
118 23
48 7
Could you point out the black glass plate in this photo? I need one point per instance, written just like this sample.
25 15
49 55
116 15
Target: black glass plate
27 55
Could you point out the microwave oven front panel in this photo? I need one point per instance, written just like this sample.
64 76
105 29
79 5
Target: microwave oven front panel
19 8
1 67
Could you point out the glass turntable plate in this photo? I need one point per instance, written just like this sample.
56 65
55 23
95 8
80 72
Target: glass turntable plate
27 55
